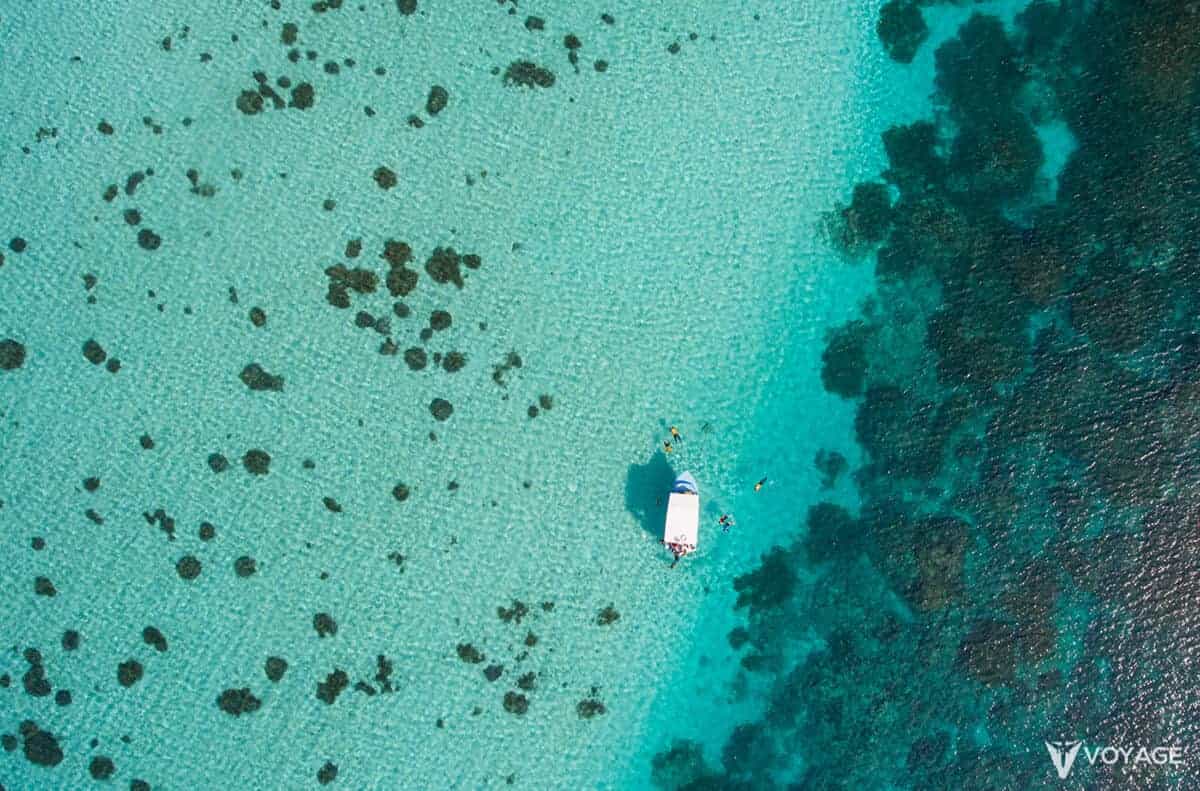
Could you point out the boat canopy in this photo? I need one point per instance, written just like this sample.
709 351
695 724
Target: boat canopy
682 530
685 484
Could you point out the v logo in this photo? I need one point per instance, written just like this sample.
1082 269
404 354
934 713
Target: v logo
1062 755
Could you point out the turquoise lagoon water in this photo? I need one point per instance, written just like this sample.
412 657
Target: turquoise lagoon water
651 248
453 544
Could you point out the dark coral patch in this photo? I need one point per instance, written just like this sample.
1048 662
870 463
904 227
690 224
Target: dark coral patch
249 102
469 653
238 702
329 771
844 361
41 748
333 686
188 567
152 636
385 177
257 462
988 653
324 625
441 409
245 566
217 462
415 358
148 239
438 98
274 668
528 74
12 355
444 266
515 703
589 708
902 29
101 767
93 352
129 673
256 378
303 96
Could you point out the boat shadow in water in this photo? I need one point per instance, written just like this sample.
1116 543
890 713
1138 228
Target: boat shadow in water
646 488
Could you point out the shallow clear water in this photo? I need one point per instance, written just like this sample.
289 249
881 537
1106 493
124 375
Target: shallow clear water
454 544
650 244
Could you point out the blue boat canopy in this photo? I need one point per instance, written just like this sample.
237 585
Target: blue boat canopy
685 484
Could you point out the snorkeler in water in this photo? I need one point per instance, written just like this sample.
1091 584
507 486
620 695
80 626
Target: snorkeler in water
726 522
758 486
667 447
675 435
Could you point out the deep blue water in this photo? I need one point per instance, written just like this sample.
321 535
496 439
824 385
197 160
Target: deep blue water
1023 566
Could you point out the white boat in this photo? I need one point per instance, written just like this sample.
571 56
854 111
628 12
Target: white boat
681 532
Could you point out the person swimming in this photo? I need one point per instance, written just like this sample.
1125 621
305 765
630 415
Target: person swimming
758 486
667 447
726 522
675 435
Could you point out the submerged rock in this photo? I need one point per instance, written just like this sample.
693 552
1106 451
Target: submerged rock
443 266
188 567
324 625
129 673
152 636
385 177
469 653
439 97
902 29
12 355
93 352
257 462
256 378
415 358
275 667
245 566
515 703
40 747
250 103
238 702
589 708
528 74
441 409
303 96
333 686
988 653
101 767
